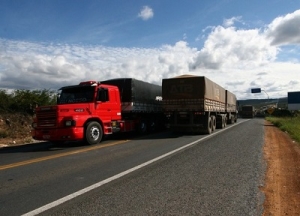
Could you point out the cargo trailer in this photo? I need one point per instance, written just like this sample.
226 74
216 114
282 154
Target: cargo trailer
195 104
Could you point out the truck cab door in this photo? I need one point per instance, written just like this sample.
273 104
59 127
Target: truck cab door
103 107
106 106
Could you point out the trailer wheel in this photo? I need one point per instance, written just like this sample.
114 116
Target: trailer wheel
93 133
214 122
208 129
152 126
224 119
142 127
232 120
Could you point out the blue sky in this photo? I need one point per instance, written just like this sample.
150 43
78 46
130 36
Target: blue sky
238 44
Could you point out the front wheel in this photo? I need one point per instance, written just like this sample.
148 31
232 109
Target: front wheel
93 133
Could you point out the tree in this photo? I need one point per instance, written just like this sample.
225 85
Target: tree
25 101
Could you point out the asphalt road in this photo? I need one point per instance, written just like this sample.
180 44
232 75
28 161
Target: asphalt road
158 174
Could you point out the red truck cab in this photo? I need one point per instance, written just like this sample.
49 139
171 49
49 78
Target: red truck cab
83 112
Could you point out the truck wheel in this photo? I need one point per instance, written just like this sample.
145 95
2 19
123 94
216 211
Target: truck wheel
214 122
152 126
93 133
224 122
208 129
232 120
142 127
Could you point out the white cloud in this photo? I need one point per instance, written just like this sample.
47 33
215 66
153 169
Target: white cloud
229 46
231 21
146 13
285 29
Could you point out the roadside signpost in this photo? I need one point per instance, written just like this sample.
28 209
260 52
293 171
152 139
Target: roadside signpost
256 90
294 101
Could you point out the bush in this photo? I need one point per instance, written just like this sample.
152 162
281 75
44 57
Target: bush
25 101
282 113
3 134
287 124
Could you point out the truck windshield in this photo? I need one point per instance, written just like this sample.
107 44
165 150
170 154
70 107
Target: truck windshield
76 94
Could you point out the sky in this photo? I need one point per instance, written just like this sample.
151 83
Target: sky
240 45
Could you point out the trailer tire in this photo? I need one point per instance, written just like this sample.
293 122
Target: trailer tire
208 129
142 127
224 122
93 133
152 126
219 121
214 122
232 120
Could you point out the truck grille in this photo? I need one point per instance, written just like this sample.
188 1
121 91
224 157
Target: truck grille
46 118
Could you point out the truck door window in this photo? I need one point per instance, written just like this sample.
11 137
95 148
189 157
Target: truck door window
103 95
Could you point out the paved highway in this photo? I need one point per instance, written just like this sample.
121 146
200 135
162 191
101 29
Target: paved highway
158 174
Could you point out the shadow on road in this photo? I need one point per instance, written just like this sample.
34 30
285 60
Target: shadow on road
48 146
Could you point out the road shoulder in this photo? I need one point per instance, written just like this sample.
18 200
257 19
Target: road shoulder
282 185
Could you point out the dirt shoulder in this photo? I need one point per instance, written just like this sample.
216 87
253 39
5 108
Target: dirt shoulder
282 182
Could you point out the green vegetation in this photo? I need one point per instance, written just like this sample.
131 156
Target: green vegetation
16 112
25 101
289 124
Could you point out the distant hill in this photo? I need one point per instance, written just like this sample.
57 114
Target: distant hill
260 103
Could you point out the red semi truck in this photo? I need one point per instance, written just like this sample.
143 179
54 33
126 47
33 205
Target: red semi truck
92 109
195 104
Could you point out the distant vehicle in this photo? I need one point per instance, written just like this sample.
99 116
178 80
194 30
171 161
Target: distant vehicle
247 111
91 109
195 104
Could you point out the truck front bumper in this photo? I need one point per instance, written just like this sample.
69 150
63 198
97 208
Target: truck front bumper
60 134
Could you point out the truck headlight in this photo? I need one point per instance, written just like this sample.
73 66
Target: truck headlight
69 123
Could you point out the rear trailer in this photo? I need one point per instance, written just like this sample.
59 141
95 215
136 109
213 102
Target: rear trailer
194 104
231 107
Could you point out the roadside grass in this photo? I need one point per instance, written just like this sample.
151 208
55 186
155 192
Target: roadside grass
291 125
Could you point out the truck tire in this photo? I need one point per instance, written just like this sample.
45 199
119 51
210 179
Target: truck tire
224 122
208 129
93 133
230 119
142 127
221 122
214 122
152 126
